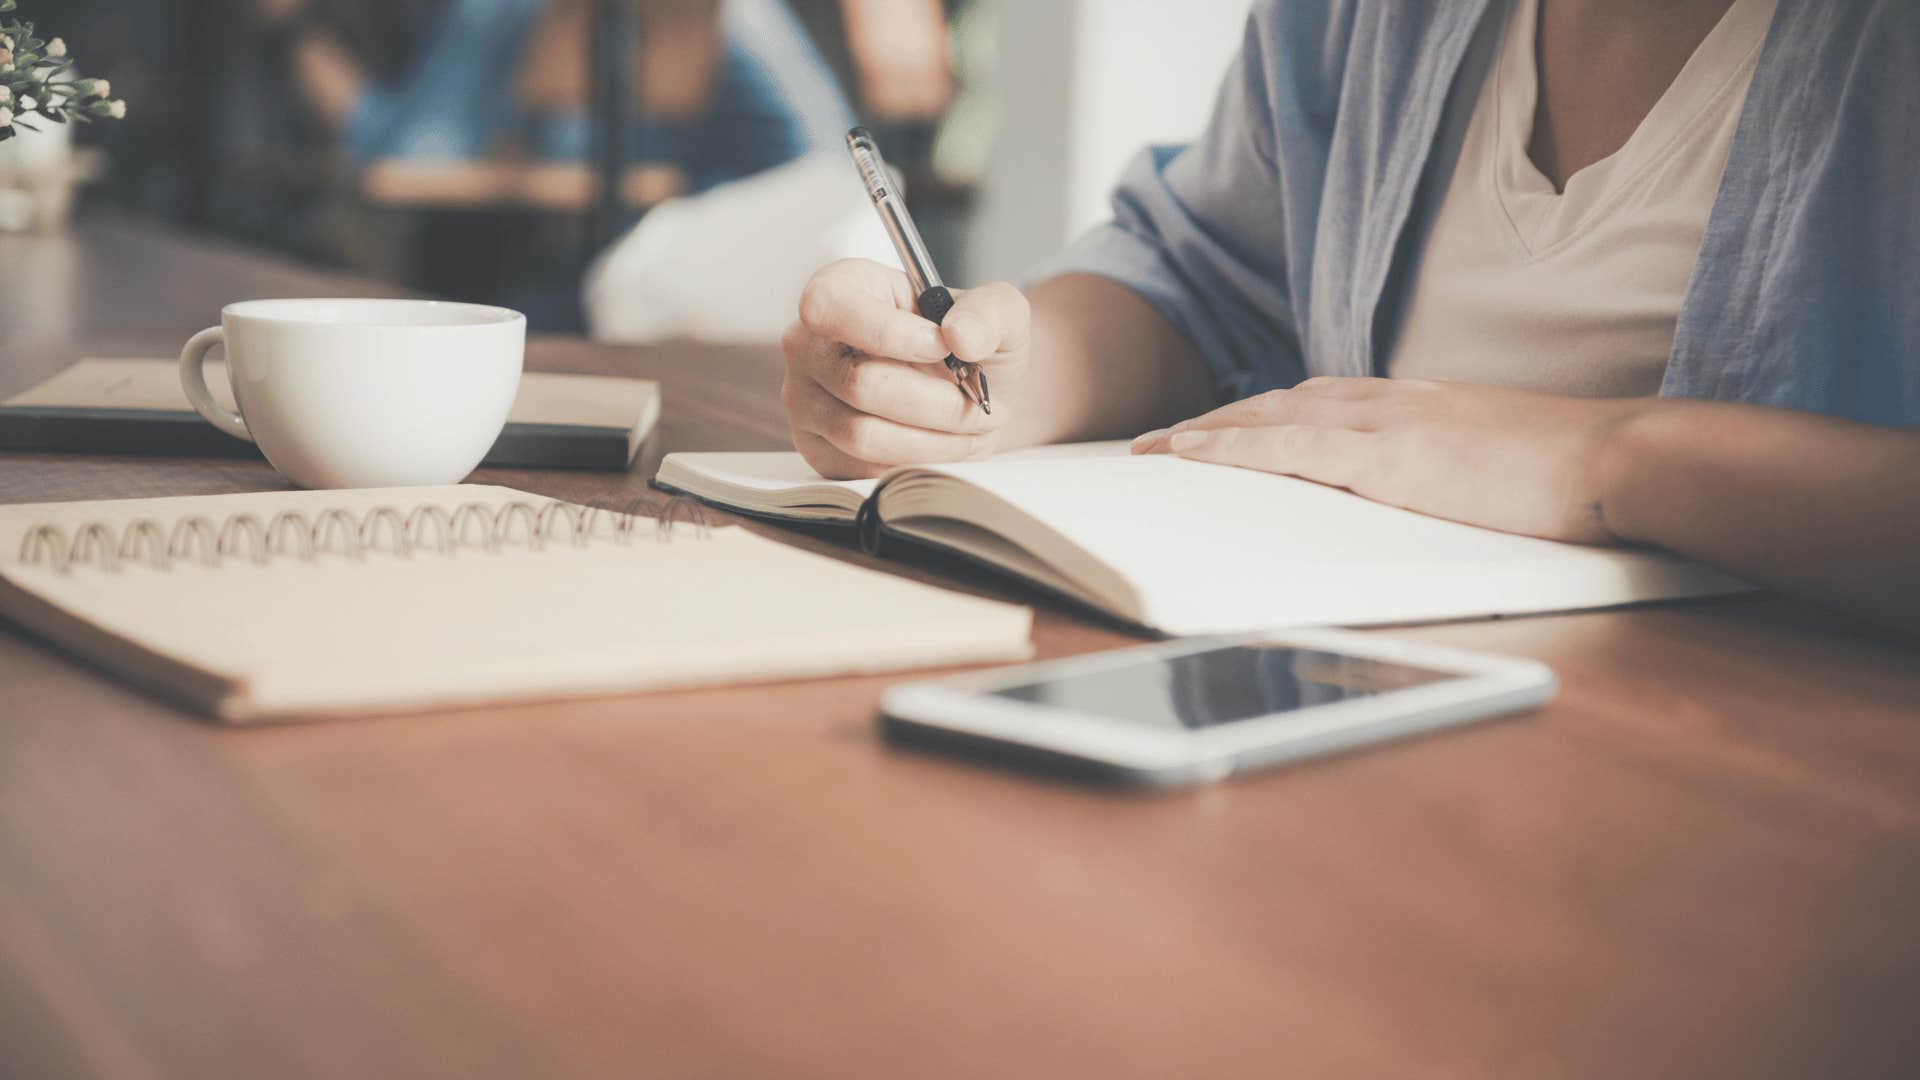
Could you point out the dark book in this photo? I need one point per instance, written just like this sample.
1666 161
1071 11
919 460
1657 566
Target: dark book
137 407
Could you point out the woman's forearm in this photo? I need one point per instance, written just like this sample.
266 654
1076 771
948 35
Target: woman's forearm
329 78
1804 502
1105 365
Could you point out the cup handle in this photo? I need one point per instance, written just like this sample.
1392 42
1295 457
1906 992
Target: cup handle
193 379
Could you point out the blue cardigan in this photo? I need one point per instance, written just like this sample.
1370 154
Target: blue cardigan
1275 241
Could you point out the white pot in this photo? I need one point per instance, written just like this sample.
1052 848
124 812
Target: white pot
36 177
46 150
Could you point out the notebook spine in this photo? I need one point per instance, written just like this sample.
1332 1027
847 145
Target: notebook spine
425 529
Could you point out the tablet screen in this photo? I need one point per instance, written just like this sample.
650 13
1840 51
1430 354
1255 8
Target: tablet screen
1221 686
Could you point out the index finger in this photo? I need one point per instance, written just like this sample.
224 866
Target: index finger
1336 403
1323 401
839 308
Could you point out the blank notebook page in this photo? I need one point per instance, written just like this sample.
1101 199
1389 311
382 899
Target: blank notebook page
385 632
1211 548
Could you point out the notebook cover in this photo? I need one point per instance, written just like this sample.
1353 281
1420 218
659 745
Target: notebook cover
302 604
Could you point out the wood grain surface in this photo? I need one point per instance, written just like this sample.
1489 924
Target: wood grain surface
1702 860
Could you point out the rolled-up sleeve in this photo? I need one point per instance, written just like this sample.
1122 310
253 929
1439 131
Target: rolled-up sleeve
1204 233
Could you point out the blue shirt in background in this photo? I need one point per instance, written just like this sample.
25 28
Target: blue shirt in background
773 98
1275 243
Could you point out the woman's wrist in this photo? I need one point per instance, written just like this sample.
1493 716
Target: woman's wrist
1629 455
1105 364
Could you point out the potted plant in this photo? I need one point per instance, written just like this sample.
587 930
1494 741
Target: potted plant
40 97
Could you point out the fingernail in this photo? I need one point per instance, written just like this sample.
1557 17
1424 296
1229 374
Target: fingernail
1140 444
1189 440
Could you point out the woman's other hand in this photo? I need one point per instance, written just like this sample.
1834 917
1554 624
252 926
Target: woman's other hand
1515 460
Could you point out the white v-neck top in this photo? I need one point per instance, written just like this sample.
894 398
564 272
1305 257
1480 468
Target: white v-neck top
1575 292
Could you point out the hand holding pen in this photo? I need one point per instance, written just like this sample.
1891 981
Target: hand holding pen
873 381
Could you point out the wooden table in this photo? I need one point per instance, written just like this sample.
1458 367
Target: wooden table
1702 860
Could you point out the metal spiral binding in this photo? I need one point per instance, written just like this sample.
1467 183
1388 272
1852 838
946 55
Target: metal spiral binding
383 530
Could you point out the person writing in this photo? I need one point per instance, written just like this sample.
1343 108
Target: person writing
1606 271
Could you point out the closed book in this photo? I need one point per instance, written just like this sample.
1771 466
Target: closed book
137 407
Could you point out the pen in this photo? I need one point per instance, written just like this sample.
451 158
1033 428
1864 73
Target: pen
930 294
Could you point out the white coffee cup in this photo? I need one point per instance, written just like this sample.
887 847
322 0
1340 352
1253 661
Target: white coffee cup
363 393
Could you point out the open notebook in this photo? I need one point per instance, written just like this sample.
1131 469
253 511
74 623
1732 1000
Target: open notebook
1186 547
292 604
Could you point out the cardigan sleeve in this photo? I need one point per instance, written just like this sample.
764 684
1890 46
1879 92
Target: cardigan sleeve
1216 235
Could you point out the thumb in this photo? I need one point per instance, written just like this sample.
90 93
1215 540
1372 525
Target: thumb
988 323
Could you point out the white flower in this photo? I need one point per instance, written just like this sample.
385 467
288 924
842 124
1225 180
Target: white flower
6 95
6 116
117 110
5 42
27 104
57 48
101 88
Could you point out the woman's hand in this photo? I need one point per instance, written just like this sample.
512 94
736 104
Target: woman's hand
866 388
1792 499
1514 460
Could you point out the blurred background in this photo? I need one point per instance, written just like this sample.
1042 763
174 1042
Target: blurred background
639 169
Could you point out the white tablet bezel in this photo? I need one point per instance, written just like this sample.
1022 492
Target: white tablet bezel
1486 686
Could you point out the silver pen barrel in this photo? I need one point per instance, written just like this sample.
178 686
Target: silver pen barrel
931 297
893 211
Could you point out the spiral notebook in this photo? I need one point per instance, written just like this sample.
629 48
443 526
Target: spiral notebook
285 605
1186 547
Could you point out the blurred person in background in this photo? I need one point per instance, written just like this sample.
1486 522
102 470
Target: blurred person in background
680 272
727 87
899 57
